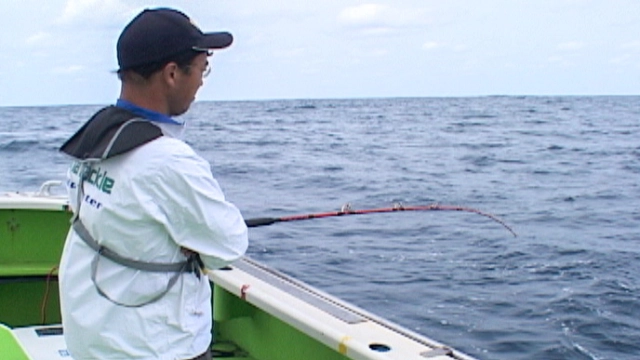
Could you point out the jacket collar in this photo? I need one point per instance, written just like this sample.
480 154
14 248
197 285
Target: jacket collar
146 113
169 126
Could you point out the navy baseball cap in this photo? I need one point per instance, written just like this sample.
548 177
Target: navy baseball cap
157 34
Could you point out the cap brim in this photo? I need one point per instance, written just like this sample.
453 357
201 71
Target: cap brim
216 40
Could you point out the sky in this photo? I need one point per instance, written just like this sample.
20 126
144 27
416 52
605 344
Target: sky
60 52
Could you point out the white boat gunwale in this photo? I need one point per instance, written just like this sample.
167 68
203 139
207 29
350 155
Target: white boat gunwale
358 339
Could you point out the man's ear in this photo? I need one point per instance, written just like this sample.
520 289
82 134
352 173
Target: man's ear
170 73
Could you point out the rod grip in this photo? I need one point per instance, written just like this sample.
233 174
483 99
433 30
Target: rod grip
255 222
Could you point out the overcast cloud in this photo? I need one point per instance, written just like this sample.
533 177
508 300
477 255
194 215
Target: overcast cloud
63 51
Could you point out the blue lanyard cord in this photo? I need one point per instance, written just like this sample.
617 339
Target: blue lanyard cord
146 113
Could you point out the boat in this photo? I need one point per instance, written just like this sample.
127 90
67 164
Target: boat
259 313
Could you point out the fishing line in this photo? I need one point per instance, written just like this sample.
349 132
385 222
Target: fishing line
347 210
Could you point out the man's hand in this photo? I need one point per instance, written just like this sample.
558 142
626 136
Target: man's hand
186 252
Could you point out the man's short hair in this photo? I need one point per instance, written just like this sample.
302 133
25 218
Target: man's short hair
183 60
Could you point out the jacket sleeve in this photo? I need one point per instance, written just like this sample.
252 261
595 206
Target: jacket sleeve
197 215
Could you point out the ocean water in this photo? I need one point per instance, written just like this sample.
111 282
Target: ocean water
562 171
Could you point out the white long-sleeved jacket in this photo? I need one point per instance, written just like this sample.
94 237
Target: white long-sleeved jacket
146 204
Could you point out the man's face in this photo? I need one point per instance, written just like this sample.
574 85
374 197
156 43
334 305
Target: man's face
187 84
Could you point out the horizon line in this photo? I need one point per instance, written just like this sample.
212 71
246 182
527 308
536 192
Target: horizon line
340 99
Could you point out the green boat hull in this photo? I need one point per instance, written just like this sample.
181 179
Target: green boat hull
28 258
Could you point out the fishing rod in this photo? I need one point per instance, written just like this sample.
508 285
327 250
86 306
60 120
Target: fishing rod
347 210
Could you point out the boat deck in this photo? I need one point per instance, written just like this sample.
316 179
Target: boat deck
47 343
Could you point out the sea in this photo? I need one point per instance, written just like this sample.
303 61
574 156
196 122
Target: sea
563 172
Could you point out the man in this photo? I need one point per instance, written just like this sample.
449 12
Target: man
148 213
